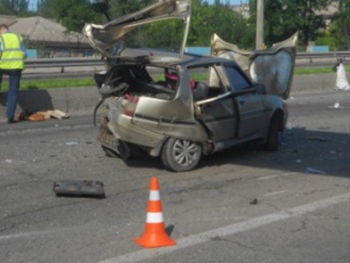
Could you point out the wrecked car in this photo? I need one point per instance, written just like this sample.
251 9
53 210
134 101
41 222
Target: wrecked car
179 106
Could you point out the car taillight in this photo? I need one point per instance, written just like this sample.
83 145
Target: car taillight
130 105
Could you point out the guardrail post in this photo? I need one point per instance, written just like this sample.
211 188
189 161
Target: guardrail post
62 69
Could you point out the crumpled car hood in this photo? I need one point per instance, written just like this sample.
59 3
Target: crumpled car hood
273 67
107 39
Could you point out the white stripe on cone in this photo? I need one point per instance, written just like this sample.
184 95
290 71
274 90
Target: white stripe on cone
154 218
154 195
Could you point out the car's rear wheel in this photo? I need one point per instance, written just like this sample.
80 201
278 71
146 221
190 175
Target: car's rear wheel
110 153
272 141
181 155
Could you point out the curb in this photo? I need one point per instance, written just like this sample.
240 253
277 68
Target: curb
84 99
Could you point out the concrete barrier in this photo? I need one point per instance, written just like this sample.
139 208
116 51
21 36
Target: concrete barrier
72 100
83 100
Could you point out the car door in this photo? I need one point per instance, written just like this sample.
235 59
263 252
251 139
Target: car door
272 67
217 112
251 110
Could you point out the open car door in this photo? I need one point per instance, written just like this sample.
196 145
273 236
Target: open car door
111 39
273 67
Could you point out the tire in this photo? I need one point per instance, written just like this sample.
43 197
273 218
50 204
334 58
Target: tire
181 155
110 153
272 140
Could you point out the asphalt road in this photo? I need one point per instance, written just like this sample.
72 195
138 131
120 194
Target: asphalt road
241 205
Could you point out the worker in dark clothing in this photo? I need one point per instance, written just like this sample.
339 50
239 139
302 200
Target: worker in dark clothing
12 55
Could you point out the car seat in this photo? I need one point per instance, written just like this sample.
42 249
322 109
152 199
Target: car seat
201 91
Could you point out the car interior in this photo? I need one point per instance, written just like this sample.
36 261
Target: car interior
146 82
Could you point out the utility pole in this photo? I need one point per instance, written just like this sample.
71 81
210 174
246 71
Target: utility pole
260 25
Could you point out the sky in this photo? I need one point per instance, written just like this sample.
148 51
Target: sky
33 3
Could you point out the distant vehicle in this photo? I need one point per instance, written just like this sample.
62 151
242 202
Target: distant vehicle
198 105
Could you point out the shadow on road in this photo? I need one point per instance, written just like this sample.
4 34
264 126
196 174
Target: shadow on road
301 150
27 100
319 152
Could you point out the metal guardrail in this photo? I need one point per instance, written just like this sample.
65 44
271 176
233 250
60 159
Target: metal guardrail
63 62
318 56
84 62
335 54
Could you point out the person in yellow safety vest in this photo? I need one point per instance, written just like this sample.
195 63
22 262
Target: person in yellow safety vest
12 55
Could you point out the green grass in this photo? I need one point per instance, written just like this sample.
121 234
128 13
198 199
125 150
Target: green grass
309 71
88 82
51 84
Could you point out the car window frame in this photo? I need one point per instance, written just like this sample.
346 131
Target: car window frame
219 70
241 72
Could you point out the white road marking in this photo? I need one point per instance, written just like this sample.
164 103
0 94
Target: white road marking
268 177
27 234
275 193
34 234
229 230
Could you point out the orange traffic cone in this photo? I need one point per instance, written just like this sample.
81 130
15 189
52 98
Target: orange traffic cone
154 235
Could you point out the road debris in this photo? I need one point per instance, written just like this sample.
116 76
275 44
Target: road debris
36 117
8 161
342 81
319 139
289 129
298 161
312 170
46 114
254 202
79 188
41 115
338 106
58 114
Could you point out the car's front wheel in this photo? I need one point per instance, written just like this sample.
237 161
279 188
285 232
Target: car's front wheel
181 155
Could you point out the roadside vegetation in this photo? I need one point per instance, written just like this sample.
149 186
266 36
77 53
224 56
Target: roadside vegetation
282 19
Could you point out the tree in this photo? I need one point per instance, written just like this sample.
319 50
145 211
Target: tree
14 7
340 26
102 7
46 8
118 8
220 19
285 17
74 13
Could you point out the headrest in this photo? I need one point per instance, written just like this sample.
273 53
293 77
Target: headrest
201 91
